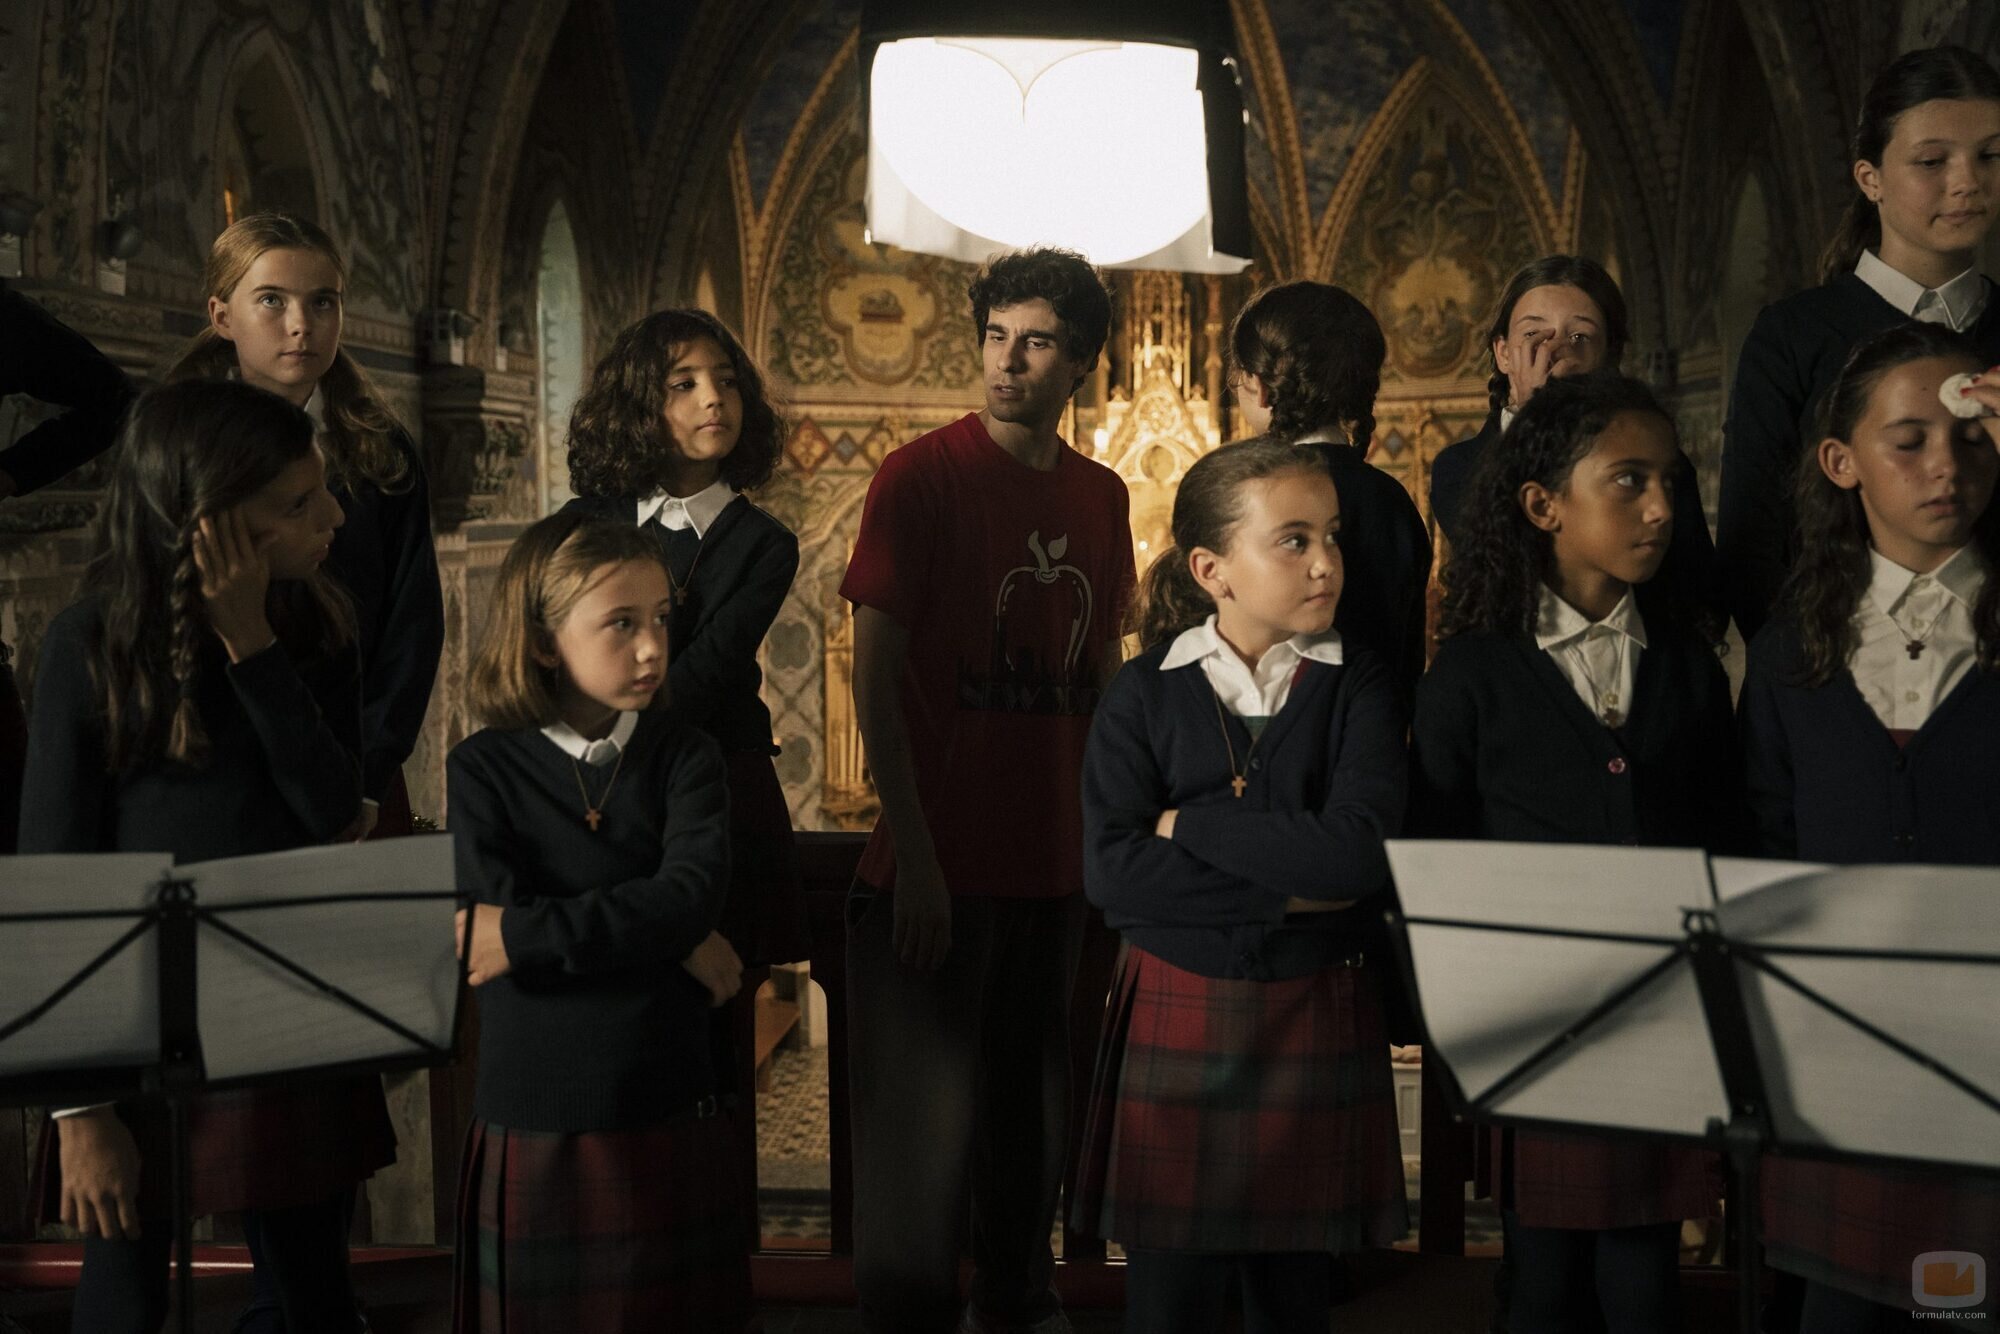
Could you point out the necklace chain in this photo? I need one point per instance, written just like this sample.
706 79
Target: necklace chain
1237 780
1609 701
593 811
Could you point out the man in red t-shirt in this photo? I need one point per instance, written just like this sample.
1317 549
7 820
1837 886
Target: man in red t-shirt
990 582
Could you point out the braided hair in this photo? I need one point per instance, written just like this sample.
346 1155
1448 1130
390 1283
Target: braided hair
1318 352
188 451
1588 277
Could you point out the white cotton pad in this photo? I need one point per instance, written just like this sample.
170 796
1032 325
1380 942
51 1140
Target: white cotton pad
1952 394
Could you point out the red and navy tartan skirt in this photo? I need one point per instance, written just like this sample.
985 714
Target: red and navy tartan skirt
263 1148
1232 1115
1859 1228
1588 1181
610 1232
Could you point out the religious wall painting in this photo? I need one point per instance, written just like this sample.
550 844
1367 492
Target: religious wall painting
845 310
876 297
1438 227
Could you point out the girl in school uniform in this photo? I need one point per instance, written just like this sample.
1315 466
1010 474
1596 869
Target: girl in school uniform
672 430
276 286
1308 362
1871 732
1241 776
1564 315
202 698
1573 700
600 1189
1926 155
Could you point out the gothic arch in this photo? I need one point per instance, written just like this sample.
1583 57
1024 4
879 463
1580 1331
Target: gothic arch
259 128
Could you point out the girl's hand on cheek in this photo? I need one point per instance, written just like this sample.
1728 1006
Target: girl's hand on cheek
235 574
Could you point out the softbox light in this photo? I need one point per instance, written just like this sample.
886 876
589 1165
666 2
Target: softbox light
1112 128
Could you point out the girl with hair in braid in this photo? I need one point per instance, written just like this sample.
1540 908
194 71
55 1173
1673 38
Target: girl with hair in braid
1307 364
1564 315
202 699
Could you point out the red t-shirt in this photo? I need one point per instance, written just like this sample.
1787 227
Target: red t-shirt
1011 582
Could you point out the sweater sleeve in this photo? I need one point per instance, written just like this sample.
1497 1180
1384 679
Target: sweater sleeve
1691 554
1767 758
66 793
1334 852
701 669
48 360
650 921
307 740
403 661
1760 450
1728 818
1444 768
1130 872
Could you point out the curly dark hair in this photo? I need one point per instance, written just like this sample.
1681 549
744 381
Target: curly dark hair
1494 575
1586 275
1833 569
1207 506
1318 352
618 443
1064 279
188 451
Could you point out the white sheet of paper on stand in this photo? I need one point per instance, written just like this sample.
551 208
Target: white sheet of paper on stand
113 1018
1832 1084
1491 998
258 1018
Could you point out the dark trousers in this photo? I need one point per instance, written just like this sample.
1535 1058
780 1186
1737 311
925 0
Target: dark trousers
1187 1292
1563 1277
960 1084
266 1312
124 1285
1832 1311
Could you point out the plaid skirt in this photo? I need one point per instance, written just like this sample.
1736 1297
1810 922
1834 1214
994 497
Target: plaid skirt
1231 1115
1585 1181
262 1148
1860 1228
764 916
610 1232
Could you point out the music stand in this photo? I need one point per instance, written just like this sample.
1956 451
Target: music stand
1734 1004
140 978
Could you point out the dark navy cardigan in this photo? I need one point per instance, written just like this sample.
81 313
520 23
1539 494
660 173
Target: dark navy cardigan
1827 783
1690 565
1326 786
1504 749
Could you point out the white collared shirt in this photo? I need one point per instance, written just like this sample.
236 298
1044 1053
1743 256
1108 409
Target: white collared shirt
599 752
1507 416
1246 693
1901 608
1600 659
697 511
1957 304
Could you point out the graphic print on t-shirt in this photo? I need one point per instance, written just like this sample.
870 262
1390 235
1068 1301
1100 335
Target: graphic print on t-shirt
1041 619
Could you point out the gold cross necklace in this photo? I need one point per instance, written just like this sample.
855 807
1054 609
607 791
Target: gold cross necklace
593 811
1237 780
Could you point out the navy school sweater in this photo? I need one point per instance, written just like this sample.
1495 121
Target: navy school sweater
1503 748
1827 783
597 1027
1326 786
282 769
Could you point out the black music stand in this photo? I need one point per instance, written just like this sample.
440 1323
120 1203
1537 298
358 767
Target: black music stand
159 933
1704 964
